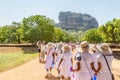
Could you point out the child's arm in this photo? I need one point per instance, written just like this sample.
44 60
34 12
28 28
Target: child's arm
99 67
53 55
56 53
72 61
92 66
60 62
78 67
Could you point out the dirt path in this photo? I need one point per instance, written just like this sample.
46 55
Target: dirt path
35 71
29 71
116 69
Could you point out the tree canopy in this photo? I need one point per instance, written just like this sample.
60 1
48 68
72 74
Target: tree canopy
38 27
30 30
92 36
110 31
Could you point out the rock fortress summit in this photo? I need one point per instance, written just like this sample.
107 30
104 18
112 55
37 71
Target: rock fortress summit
76 21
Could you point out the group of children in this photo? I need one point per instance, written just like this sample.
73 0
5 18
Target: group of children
78 61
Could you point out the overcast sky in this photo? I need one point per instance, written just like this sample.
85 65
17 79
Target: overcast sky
16 10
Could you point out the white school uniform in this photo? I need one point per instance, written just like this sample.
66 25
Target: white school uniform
84 73
58 57
66 64
104 72
43 48
95 56
49 58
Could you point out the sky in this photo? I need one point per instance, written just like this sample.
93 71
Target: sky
16 10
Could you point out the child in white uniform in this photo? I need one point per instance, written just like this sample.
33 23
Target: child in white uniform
58 57
66 63
43 52
83 69
96 65
39 49
105 73
49 59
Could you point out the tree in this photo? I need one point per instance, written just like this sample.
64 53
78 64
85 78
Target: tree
36 28
8 34
92 36
111 31
1 36
30 30
58 32
18 31
65 36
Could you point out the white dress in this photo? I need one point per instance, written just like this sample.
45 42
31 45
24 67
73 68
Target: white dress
43 48
85 72
104 72
58 57
95 57
49 59
66 64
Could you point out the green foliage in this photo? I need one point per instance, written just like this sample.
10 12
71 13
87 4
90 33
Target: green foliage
37 28
30 30
8 34
92 36
110 31
75 36
58 33
65 37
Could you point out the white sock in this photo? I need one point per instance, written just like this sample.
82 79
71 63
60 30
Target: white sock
58 74
47 72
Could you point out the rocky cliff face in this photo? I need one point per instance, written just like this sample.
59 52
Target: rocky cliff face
76 21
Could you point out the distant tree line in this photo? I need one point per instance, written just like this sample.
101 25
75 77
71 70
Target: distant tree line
39 27
109 32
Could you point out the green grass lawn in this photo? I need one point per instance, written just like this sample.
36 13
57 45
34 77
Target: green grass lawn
8 61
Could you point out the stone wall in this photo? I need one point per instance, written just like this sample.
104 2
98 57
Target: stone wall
18 48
